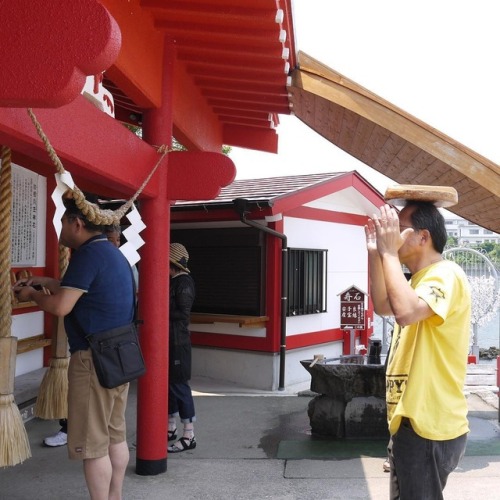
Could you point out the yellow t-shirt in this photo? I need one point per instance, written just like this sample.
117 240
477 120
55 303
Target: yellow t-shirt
428 360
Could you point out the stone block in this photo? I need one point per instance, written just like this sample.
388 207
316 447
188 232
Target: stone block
326 416
346 381
366 417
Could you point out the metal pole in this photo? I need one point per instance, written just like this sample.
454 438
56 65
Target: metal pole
498 384
240 206
284 306
384 334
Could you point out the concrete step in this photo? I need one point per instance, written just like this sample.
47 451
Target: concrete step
26 389
478 375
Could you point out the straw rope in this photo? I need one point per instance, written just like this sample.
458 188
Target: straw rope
64 254
5 249
14 443
91 211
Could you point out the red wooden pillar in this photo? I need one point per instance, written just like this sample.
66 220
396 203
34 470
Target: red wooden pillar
152 398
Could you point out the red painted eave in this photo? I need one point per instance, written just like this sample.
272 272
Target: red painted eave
233 61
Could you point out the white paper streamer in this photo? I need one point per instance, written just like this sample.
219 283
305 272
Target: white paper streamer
64 182
134 240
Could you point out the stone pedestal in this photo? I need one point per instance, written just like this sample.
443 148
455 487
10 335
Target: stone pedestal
351 400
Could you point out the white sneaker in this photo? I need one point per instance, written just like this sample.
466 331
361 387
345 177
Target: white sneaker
58 439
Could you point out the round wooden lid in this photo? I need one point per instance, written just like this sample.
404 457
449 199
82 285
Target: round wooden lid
440 196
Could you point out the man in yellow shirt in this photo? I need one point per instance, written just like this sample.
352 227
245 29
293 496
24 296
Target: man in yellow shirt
426 407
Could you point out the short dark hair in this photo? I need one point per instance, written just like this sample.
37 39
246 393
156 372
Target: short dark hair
73 212
427 216
113 228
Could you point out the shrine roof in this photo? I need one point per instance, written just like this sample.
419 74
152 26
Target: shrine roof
233 60
393 142
267 189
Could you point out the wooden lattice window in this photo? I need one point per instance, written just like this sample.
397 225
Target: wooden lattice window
228 267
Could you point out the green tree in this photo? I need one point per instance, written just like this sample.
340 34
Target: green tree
485 247
451 242
494 255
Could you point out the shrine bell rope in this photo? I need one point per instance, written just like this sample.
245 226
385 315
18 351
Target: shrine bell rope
14 443
5 250
91 211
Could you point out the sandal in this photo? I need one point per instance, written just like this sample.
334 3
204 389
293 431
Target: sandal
172 435
186 443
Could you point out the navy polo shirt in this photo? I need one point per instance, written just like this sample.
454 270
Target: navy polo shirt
104 275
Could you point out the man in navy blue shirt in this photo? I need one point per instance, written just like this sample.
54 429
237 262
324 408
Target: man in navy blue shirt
96 294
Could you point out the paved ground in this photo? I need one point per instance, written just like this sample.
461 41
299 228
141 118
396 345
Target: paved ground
242 439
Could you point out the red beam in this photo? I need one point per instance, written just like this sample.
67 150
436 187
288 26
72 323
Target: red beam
195 124
216 32
282 108
213 82
227 95
235 61
92 146
251 137
232 342
230 15
245 75
314 338
245 121
254 115
198 175
265 49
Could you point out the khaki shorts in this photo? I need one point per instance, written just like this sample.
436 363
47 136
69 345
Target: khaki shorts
96 416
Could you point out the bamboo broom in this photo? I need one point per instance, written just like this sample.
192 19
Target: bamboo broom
52 401
14 444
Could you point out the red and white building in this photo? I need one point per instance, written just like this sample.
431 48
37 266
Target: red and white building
237 328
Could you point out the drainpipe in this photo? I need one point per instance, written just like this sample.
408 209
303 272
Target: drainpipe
241 207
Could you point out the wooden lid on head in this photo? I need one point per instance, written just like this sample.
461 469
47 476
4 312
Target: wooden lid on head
440 196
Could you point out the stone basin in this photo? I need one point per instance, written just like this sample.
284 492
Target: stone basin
346 380
350 401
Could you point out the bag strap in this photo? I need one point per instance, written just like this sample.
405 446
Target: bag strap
134 303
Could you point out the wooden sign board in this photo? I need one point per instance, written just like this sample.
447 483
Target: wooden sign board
352 309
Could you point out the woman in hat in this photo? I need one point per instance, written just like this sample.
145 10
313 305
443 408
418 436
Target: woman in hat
180 398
